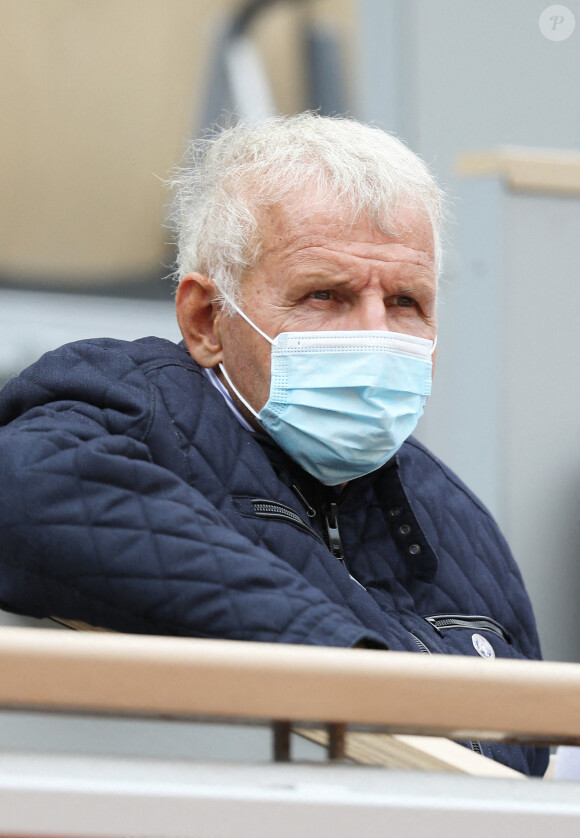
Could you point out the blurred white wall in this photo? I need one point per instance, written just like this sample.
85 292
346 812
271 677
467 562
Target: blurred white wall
35 322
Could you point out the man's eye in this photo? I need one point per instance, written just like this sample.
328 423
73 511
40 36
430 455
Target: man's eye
321 295
405 302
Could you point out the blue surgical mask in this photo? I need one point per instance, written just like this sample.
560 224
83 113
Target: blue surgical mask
342 403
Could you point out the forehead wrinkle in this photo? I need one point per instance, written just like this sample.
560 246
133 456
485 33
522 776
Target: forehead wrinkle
323 263
285 236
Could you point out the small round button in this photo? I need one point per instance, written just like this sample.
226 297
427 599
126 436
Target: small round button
482 646
404 529
396 510
415 549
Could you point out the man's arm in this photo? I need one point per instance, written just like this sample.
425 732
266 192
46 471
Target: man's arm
92 530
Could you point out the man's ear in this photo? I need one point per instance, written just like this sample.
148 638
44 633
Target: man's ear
198 316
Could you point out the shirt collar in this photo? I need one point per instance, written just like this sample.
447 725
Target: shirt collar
211 375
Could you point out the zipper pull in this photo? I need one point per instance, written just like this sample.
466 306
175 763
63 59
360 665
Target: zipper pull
310 511
332 531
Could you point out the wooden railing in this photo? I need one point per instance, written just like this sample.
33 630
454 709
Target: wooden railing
315 689
546 171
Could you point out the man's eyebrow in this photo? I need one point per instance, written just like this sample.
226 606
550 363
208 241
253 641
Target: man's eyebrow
317 279
422 279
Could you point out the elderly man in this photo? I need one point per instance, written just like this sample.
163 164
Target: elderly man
259 481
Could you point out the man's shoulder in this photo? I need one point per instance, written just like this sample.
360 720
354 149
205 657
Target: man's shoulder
105 372
115 352
102 360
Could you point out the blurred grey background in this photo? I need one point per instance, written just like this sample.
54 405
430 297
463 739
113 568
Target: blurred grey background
99 99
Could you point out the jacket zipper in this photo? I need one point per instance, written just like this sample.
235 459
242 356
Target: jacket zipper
332 531
420 644
264 508
444 622
329 516
271 509
475 743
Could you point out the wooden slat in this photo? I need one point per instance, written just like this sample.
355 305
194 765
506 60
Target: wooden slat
413 753
526 169
405 692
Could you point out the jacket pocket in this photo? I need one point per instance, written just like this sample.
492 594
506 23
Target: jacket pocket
474 622
272 510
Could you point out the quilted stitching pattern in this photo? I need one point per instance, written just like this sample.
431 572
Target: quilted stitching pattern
120 462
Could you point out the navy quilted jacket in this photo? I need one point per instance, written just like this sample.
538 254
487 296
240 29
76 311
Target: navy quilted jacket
131 498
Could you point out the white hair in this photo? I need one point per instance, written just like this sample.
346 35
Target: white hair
236 175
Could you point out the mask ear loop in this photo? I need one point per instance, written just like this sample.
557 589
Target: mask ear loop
237 392
434 344
223 369
253 325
